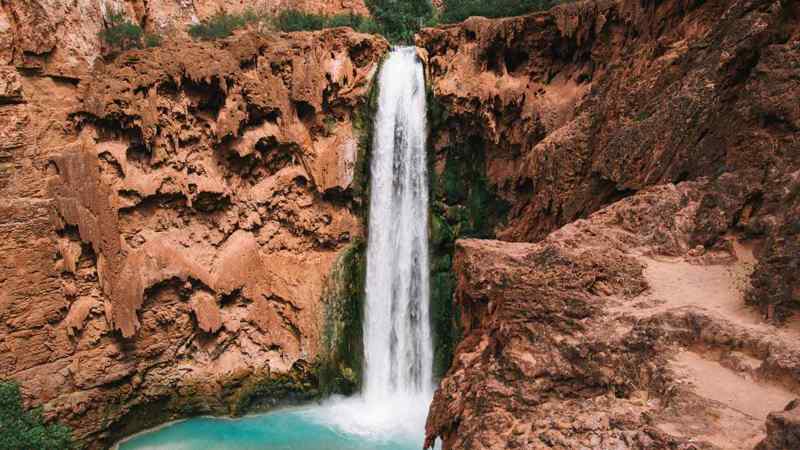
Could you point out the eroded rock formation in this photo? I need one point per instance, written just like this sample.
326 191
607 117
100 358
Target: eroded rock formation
606 333
783 429
590 102
614 332
170 218
170 222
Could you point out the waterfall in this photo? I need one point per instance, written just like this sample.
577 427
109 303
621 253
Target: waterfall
391 411
398 353
397 333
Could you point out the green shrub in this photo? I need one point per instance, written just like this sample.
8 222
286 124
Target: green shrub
370 26
359 23
345 20
120 33
223 25
397 20
458 10
21 429
152 40
293 20
400 19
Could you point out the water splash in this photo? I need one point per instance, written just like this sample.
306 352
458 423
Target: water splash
398 353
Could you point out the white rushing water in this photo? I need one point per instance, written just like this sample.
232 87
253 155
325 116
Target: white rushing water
397 333
398 353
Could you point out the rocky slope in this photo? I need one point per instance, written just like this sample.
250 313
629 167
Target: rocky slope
170 220
613 333
595 100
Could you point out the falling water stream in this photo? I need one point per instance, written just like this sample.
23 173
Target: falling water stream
398 383
397 334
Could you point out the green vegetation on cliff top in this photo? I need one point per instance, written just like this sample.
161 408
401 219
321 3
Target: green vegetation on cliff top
292 20
458 10
222 25
397 20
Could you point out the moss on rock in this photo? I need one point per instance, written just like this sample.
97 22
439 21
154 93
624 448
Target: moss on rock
265 391
234 394
463 204
339 365
363 124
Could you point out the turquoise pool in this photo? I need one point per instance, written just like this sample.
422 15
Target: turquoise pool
329 426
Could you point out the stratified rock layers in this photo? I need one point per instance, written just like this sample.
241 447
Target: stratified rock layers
170 222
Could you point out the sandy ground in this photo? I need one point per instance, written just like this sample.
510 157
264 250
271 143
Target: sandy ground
727 407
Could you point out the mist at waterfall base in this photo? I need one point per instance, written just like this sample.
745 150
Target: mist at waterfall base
390 412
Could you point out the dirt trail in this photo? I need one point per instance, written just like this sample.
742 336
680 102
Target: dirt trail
723 407
712 380
727 403
718 289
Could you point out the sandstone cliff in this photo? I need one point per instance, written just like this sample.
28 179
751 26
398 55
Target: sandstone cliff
170 219
582 339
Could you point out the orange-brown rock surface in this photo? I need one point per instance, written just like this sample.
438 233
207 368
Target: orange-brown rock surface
592 101
170 220
614 332
783 429
61 38
631 329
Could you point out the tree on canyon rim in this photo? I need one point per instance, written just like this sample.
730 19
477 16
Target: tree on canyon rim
458 10
400 19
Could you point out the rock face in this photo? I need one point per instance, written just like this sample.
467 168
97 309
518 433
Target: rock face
625 330
783 429
61 38
170 221
593 101
613 332
170 218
